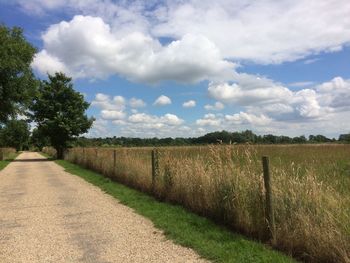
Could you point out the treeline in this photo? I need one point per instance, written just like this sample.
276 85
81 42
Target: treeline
16 134
218 137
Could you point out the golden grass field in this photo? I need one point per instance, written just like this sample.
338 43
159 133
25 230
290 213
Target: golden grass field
310 186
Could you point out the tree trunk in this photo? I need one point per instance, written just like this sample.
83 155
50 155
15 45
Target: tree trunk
60 153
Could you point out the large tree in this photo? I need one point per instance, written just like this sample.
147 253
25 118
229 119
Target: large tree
15 134
38 140
59 112
17 82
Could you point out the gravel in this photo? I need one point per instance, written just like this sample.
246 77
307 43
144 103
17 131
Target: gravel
48 215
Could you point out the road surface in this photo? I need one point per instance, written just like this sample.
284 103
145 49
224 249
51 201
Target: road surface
48 215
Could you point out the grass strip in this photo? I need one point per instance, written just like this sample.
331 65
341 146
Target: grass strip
5 162
209 240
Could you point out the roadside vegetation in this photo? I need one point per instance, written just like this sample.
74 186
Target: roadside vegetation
310 186
207 238
6 156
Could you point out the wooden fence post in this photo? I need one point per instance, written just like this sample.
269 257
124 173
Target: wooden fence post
269 213
1 155
84 161
114 160
96 160
155 167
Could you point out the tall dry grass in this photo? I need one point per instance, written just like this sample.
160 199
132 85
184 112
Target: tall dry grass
6 153
310 185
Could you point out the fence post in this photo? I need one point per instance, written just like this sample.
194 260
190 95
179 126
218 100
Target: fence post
1 155
269 213
96 160
155 167
84 161
114 160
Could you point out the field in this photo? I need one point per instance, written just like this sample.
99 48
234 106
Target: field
310 189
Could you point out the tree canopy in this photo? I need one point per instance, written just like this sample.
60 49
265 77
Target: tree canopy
59 112
17 82
15 134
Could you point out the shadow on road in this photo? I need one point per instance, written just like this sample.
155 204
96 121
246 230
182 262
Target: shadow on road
33 160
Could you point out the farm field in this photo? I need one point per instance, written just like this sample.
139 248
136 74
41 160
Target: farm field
310 189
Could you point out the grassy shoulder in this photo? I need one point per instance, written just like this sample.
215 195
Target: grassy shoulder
5 162
211 241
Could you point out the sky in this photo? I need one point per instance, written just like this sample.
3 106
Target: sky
185 68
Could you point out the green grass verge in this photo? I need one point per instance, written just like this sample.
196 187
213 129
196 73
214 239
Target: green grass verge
209 240
5 162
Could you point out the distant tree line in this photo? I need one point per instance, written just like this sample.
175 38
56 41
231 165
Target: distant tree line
218 137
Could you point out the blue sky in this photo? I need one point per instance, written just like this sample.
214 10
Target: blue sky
185 68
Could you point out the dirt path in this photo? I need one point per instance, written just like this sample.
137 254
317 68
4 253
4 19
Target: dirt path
48 215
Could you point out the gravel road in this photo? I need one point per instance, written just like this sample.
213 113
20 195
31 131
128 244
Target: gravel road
48 215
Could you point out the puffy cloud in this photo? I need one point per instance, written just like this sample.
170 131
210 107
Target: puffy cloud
248 93
263 96
171 119
189 104
45 63
105 102
243 30
141 117
217 106
256 31
98 128
145 125
248 118
307 104
112 115
167 119
137 103
335 93
162 100
99 52
209 120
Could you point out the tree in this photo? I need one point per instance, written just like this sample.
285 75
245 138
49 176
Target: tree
15 134
38 140
17 82
344 137
318 138
59 112
300 139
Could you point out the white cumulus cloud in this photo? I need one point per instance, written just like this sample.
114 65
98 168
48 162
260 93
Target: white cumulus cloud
217 106
209 120
248 118
112 115
98 52
189 104
137 103
243 30
162 101
105 102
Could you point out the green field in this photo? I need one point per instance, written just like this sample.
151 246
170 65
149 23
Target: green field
310 183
